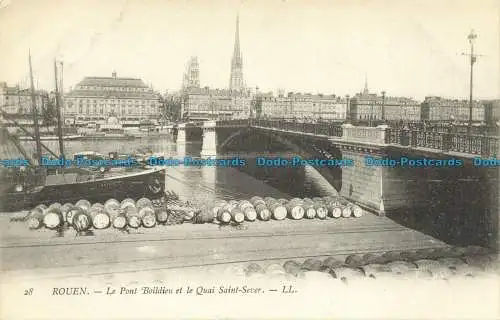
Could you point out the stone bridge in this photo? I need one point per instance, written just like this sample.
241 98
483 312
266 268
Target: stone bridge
463 197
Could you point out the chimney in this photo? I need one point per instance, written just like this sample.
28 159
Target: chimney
113 75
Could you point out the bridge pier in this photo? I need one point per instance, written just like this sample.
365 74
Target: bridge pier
209 144
181 140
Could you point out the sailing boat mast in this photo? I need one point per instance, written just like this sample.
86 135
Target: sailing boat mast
35 115
58 109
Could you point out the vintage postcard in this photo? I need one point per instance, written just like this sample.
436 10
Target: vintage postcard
249 159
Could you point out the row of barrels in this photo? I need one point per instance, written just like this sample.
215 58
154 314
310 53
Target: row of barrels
279 209
83 215
452 264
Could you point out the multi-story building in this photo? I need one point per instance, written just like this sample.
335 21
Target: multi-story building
442 109
491 111
206 103
302 106
98 98
366 106
17 102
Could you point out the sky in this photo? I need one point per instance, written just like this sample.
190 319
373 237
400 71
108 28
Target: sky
404 47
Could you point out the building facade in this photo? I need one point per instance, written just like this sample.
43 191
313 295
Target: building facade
206 103
98 98
442 109
303 106
17 102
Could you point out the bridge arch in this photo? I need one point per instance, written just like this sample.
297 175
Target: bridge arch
252 140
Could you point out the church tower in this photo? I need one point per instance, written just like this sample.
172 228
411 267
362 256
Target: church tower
236 81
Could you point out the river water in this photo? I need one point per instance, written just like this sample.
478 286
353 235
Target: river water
206 184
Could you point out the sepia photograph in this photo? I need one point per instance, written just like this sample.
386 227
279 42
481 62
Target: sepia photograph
249 159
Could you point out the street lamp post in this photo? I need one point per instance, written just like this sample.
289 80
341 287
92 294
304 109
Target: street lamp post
471 37
383 106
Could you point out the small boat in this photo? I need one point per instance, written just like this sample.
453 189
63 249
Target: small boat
51 138
112 130
34 180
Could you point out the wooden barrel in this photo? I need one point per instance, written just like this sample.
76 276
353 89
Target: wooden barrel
250 214
204 216
452 263
321 211
35 219
376 271
53 218
143 202
233 203
42 207
263 212
295 210
437 270
255 198
100 219
253 268
307 200
296 200
401 267
278 211
269 199
242 205
292 267
312 265
80 219
84 204
162 214
113 203
275 269
224 216
334 211
255 203
111 207
347 274
354 260
283 201
228 207
332 262
309 211
237 215
317 200
133 218
346 211
357 212
127 203
55 205
97 205
148 217
118 219
218 205
115 213
370 258
66 207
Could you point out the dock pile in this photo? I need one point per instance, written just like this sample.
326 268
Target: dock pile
84 216
264 209
443 264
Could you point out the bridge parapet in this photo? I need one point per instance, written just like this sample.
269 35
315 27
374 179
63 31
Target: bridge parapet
373 135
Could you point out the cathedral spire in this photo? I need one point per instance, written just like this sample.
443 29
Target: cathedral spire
236 52
236 79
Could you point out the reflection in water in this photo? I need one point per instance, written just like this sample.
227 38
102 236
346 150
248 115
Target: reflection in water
202 184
